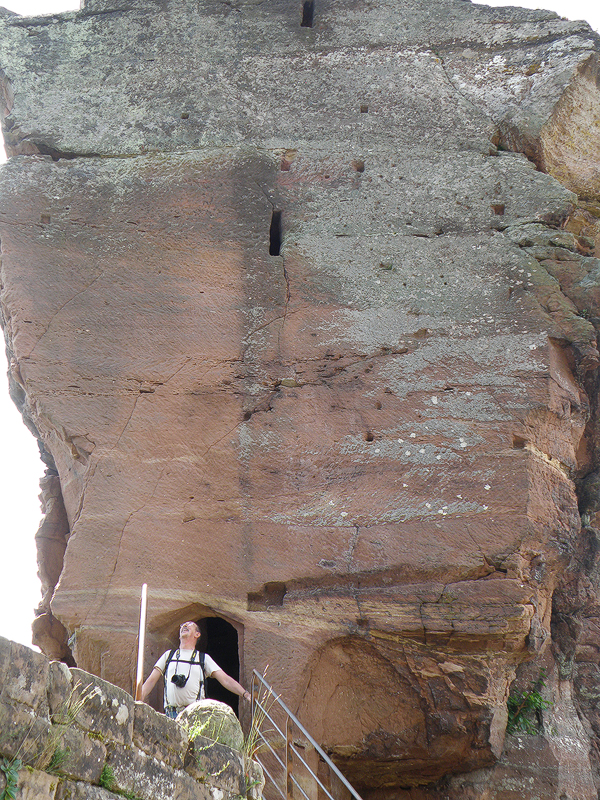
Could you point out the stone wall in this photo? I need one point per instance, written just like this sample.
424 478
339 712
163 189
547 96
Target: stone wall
75 734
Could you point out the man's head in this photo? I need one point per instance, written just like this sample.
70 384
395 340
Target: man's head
189 633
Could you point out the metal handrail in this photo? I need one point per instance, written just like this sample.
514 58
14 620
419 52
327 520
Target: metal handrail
289 778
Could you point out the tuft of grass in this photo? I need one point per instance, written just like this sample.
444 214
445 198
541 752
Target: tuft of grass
53 755
256 738
107 778
263 701
108 781
59 757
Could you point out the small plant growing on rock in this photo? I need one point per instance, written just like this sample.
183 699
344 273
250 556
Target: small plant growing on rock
522 706
255 740
59 757
107 778
10 768
108 781
53 755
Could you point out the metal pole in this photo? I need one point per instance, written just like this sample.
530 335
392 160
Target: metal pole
289 760
141 643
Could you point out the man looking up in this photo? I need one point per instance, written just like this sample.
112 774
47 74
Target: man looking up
184 671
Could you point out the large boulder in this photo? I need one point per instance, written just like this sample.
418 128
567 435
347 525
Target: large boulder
212 720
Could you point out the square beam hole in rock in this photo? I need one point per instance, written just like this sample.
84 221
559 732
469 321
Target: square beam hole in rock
275 234
308 13
272 594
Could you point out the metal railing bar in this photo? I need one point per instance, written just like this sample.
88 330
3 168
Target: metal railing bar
274 754
269 744
271 778
295 782
271 720
301 727
310 769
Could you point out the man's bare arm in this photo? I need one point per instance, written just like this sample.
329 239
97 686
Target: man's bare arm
229 683
150 682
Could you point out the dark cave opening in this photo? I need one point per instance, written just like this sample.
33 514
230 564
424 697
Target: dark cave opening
219 640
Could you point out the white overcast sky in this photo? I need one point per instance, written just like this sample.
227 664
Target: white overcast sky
20 466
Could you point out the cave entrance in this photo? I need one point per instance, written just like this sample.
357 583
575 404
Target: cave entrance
219 639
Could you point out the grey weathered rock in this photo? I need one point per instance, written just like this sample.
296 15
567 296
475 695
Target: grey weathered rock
71 790
159 736
108 710
212 720
37 785
79 754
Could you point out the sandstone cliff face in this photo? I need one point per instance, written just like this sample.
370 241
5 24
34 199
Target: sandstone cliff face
304 317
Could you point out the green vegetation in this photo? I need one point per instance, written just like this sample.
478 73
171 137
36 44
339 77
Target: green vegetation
10 768
200 728
53 754
59 757
524 709
107 778
254 741
109 782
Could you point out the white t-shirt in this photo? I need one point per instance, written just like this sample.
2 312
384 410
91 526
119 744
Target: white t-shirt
182 664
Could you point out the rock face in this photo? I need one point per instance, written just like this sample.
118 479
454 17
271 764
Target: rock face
302 305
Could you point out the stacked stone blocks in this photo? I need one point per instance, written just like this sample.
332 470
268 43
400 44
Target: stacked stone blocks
75 734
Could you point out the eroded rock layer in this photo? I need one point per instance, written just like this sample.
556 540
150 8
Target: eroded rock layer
306 325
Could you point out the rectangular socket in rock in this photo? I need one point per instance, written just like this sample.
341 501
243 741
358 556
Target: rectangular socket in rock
23 734
23 674
140 774
158 736
217 765
83 755
76 790
107 711
36 785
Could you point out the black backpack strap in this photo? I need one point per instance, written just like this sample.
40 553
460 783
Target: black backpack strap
170 658
168 661
203 675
